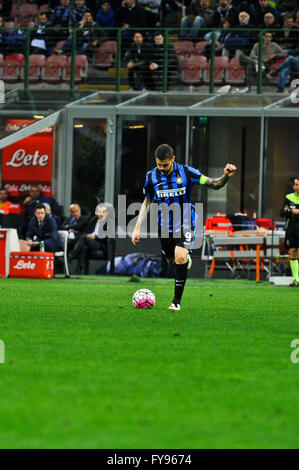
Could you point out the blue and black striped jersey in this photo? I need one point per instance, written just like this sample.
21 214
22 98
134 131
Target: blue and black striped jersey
174 188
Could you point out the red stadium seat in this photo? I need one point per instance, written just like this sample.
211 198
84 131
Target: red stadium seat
199 47
44 8
14 12
221 65
183 48
80 68
28 10
235 73
12 67
36 67
192 70
104 54
54 67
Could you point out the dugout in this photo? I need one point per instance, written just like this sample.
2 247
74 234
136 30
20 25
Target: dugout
102 143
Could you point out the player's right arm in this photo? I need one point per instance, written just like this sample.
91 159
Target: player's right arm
142 214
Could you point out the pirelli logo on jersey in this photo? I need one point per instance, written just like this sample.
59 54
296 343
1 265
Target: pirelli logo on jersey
171 192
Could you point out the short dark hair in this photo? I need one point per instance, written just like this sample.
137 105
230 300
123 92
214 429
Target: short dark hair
293 180
164 152
39 206
158 33
3 189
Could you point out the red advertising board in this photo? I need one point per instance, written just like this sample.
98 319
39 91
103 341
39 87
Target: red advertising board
29 160
35 265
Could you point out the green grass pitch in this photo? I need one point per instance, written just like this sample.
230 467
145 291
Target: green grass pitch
84 369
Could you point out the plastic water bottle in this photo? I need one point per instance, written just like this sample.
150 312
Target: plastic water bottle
42 246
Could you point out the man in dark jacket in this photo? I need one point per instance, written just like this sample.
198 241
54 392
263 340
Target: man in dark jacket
60 18
129 16
43 227
77 12
94 241
43 39
137 59
157 61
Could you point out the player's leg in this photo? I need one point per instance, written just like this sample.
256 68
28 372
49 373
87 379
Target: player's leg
181 270
294 265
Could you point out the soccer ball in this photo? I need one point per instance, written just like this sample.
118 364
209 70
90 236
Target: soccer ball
144 298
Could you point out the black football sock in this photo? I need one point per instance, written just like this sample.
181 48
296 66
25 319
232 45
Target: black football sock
180 280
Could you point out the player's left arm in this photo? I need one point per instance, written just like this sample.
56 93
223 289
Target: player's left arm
218 183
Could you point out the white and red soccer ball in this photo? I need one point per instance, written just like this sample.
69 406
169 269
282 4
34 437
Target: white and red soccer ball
144 298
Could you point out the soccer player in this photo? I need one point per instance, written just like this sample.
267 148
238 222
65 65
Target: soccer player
171 183
290 210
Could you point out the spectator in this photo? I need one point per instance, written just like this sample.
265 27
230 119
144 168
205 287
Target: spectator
219 46
170 11
271 51
42 39
130 16
137 58
290 65
262 8
77 12
157 61
48 209
60 18
3 36
16 40
89 36
43 227
5 8
29 203
4 203
240 41
106 18
94 6
289 38
269 22
76 225
94 241
228 11
152 12
205 17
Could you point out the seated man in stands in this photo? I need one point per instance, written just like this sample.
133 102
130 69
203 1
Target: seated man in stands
289 66
89 36
129 16
288 39
106 18
76 226
16 40
43 227
77 12
137 59
4 203
95 240
204 17
157 61
30 202
60 17
43 39
271 52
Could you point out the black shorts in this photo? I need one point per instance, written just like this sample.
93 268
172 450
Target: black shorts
291 239
168 244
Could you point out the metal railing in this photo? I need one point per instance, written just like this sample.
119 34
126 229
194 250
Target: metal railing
171 36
